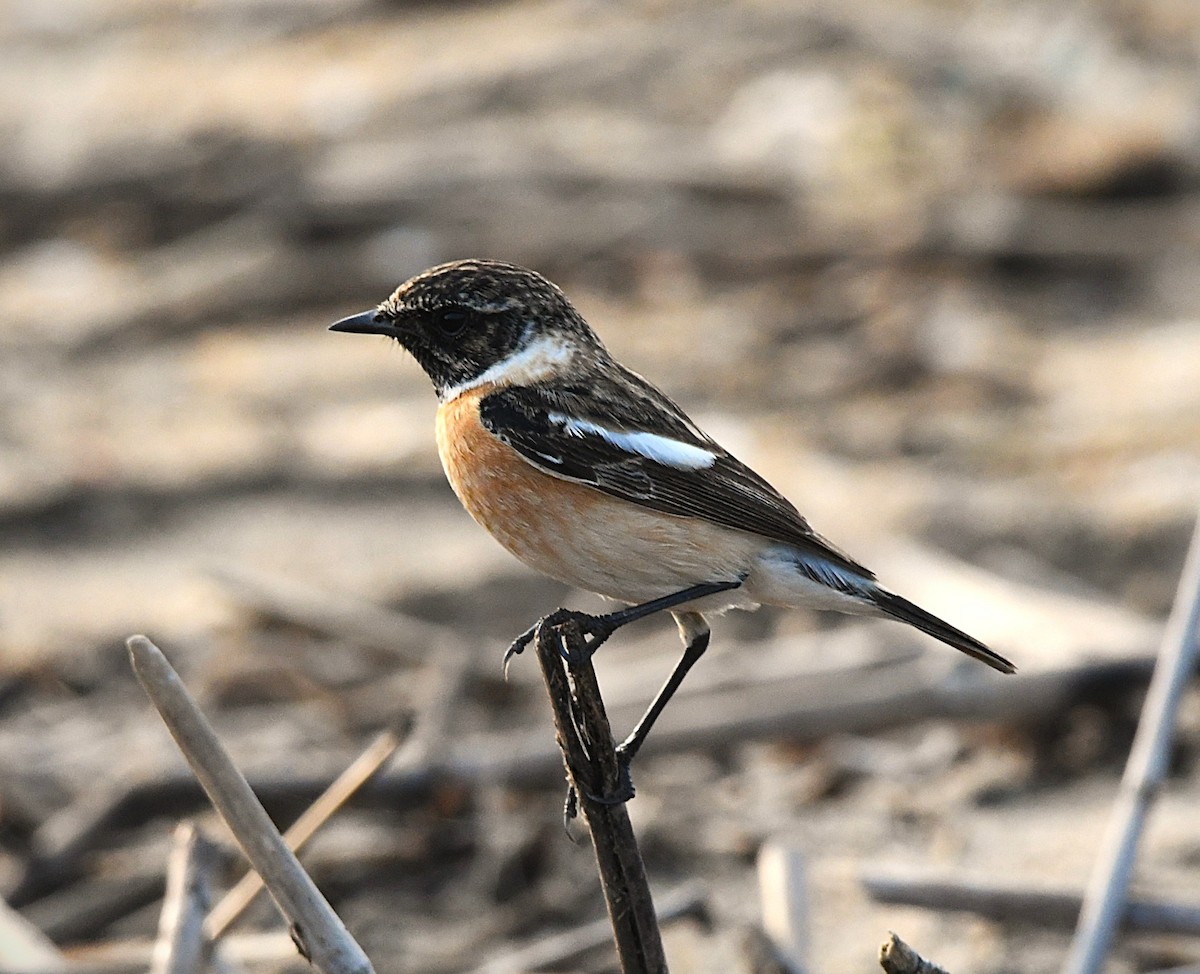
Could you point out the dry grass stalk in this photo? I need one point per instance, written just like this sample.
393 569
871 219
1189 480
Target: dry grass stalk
1104 899
316 928
182 947
234 903
1013 903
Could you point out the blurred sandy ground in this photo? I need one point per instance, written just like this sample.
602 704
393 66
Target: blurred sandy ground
932 268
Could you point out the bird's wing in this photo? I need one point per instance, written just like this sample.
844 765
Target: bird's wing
620 435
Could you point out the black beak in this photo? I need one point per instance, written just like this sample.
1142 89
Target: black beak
367 323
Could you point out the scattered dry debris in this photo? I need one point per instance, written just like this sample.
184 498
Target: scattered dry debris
931 268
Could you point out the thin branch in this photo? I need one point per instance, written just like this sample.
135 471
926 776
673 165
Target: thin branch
805 709
1103 902
590 757
565 947
360 622
784 899
24 946
896 957
445 682
1052 908
364 767
320 934
181 946
272 949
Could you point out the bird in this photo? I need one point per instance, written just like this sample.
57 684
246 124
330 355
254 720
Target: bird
589 474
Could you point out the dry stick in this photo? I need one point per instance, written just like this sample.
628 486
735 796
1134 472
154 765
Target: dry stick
804 709
1180 969
360 622
317 930
1053 908
181 946
447 680
60 842
1103 901
585 739
783 895
23 945
896 957
234 903
562 948
268 948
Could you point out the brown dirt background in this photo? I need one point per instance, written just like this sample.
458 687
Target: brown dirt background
932 268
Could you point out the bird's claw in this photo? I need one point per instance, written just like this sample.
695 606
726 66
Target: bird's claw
517 647
622 793
624 776
570 809
594 629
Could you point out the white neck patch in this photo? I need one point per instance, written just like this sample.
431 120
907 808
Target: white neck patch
540 359
652 446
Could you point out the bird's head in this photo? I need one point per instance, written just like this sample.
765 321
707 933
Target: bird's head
471 322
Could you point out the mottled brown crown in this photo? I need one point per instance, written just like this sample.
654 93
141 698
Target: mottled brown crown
460 320
489 287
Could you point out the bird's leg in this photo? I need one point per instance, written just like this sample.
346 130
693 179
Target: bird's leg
597 628
697 637
628 748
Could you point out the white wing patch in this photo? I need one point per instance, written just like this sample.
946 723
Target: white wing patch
652 446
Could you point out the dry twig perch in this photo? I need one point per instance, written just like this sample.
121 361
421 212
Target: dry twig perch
590 757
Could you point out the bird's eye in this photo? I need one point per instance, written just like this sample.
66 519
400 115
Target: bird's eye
451 322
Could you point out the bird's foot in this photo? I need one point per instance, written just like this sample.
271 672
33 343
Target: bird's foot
594 629
517 647
623 792
570 809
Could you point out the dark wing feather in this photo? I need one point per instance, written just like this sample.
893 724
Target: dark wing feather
727 493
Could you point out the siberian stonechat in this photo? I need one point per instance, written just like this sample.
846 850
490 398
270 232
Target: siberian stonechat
589 474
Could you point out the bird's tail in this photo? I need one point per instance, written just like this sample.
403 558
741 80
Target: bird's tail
903 610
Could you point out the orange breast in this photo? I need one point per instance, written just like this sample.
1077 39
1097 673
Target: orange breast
527 511
575 533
